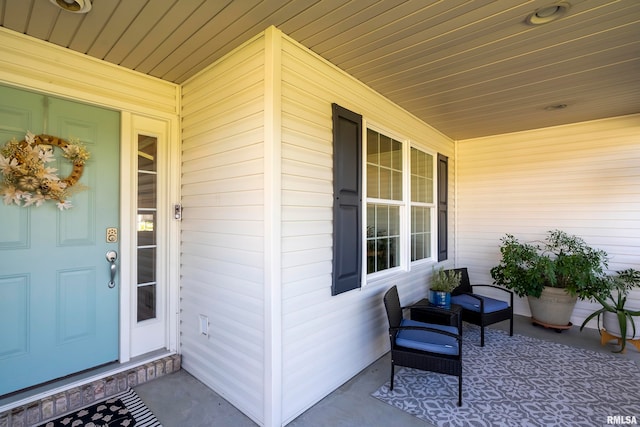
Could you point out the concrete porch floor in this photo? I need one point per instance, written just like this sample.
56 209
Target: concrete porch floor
179 400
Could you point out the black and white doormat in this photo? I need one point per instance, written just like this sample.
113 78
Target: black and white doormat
125 409
522 381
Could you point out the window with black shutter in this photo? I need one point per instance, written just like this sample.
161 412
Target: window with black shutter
392 164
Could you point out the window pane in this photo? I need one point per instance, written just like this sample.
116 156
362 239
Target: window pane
146 229
373 177
421 194
428 191
372 147
385 184
382 254
146 265
420 171
420 232
382 220
396 158
146 302
146 190
371 221
414 187
147 152
384 167
385 151
417 220
417 247
396 185
371 256
394 220
421 176
394 252
383 237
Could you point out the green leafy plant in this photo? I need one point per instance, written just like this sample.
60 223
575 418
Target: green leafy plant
560 261
614 299
444 281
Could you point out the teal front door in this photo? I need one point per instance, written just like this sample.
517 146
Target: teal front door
58 304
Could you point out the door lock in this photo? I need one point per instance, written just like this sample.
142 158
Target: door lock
112 235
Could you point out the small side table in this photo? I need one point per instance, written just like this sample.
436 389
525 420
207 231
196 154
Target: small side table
424 311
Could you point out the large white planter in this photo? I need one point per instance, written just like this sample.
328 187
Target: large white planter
611 325
553 308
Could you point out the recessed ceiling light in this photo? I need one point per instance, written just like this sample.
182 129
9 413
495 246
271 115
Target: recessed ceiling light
75 6
555 107
549 13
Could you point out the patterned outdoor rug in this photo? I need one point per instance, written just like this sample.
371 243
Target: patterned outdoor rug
122 410
521 381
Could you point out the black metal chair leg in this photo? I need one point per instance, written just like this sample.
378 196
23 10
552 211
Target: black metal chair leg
481 336
391 388
511 327
460 390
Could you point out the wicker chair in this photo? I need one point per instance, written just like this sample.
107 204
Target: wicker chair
423 346
481 310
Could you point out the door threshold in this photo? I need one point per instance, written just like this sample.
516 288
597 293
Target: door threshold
129 373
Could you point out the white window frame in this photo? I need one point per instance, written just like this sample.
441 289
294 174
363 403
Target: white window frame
405 205
432 206
151 334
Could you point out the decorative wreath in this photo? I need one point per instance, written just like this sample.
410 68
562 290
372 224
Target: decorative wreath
27 180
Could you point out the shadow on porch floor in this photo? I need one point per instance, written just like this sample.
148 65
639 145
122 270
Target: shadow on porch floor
179 400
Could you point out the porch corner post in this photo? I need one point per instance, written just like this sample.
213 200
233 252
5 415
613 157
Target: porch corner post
273 362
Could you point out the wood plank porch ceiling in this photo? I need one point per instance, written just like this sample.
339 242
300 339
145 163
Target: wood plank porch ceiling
468 68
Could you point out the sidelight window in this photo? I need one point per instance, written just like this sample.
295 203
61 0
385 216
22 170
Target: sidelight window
147 228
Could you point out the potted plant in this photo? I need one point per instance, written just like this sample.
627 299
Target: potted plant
617 319
442 283
552 274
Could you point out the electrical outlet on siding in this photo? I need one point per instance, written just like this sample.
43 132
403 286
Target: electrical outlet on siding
203 325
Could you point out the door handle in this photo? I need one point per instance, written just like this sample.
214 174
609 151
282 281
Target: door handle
112 256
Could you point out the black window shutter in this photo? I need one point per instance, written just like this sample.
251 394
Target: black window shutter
347 200
443 226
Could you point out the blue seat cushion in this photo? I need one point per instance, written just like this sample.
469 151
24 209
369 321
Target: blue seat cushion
470 303
426 340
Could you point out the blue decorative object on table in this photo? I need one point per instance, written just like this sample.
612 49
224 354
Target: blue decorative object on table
440 299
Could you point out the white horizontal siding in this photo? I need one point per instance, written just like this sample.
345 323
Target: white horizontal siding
223 227
328 339
42 66
325 340
583 179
